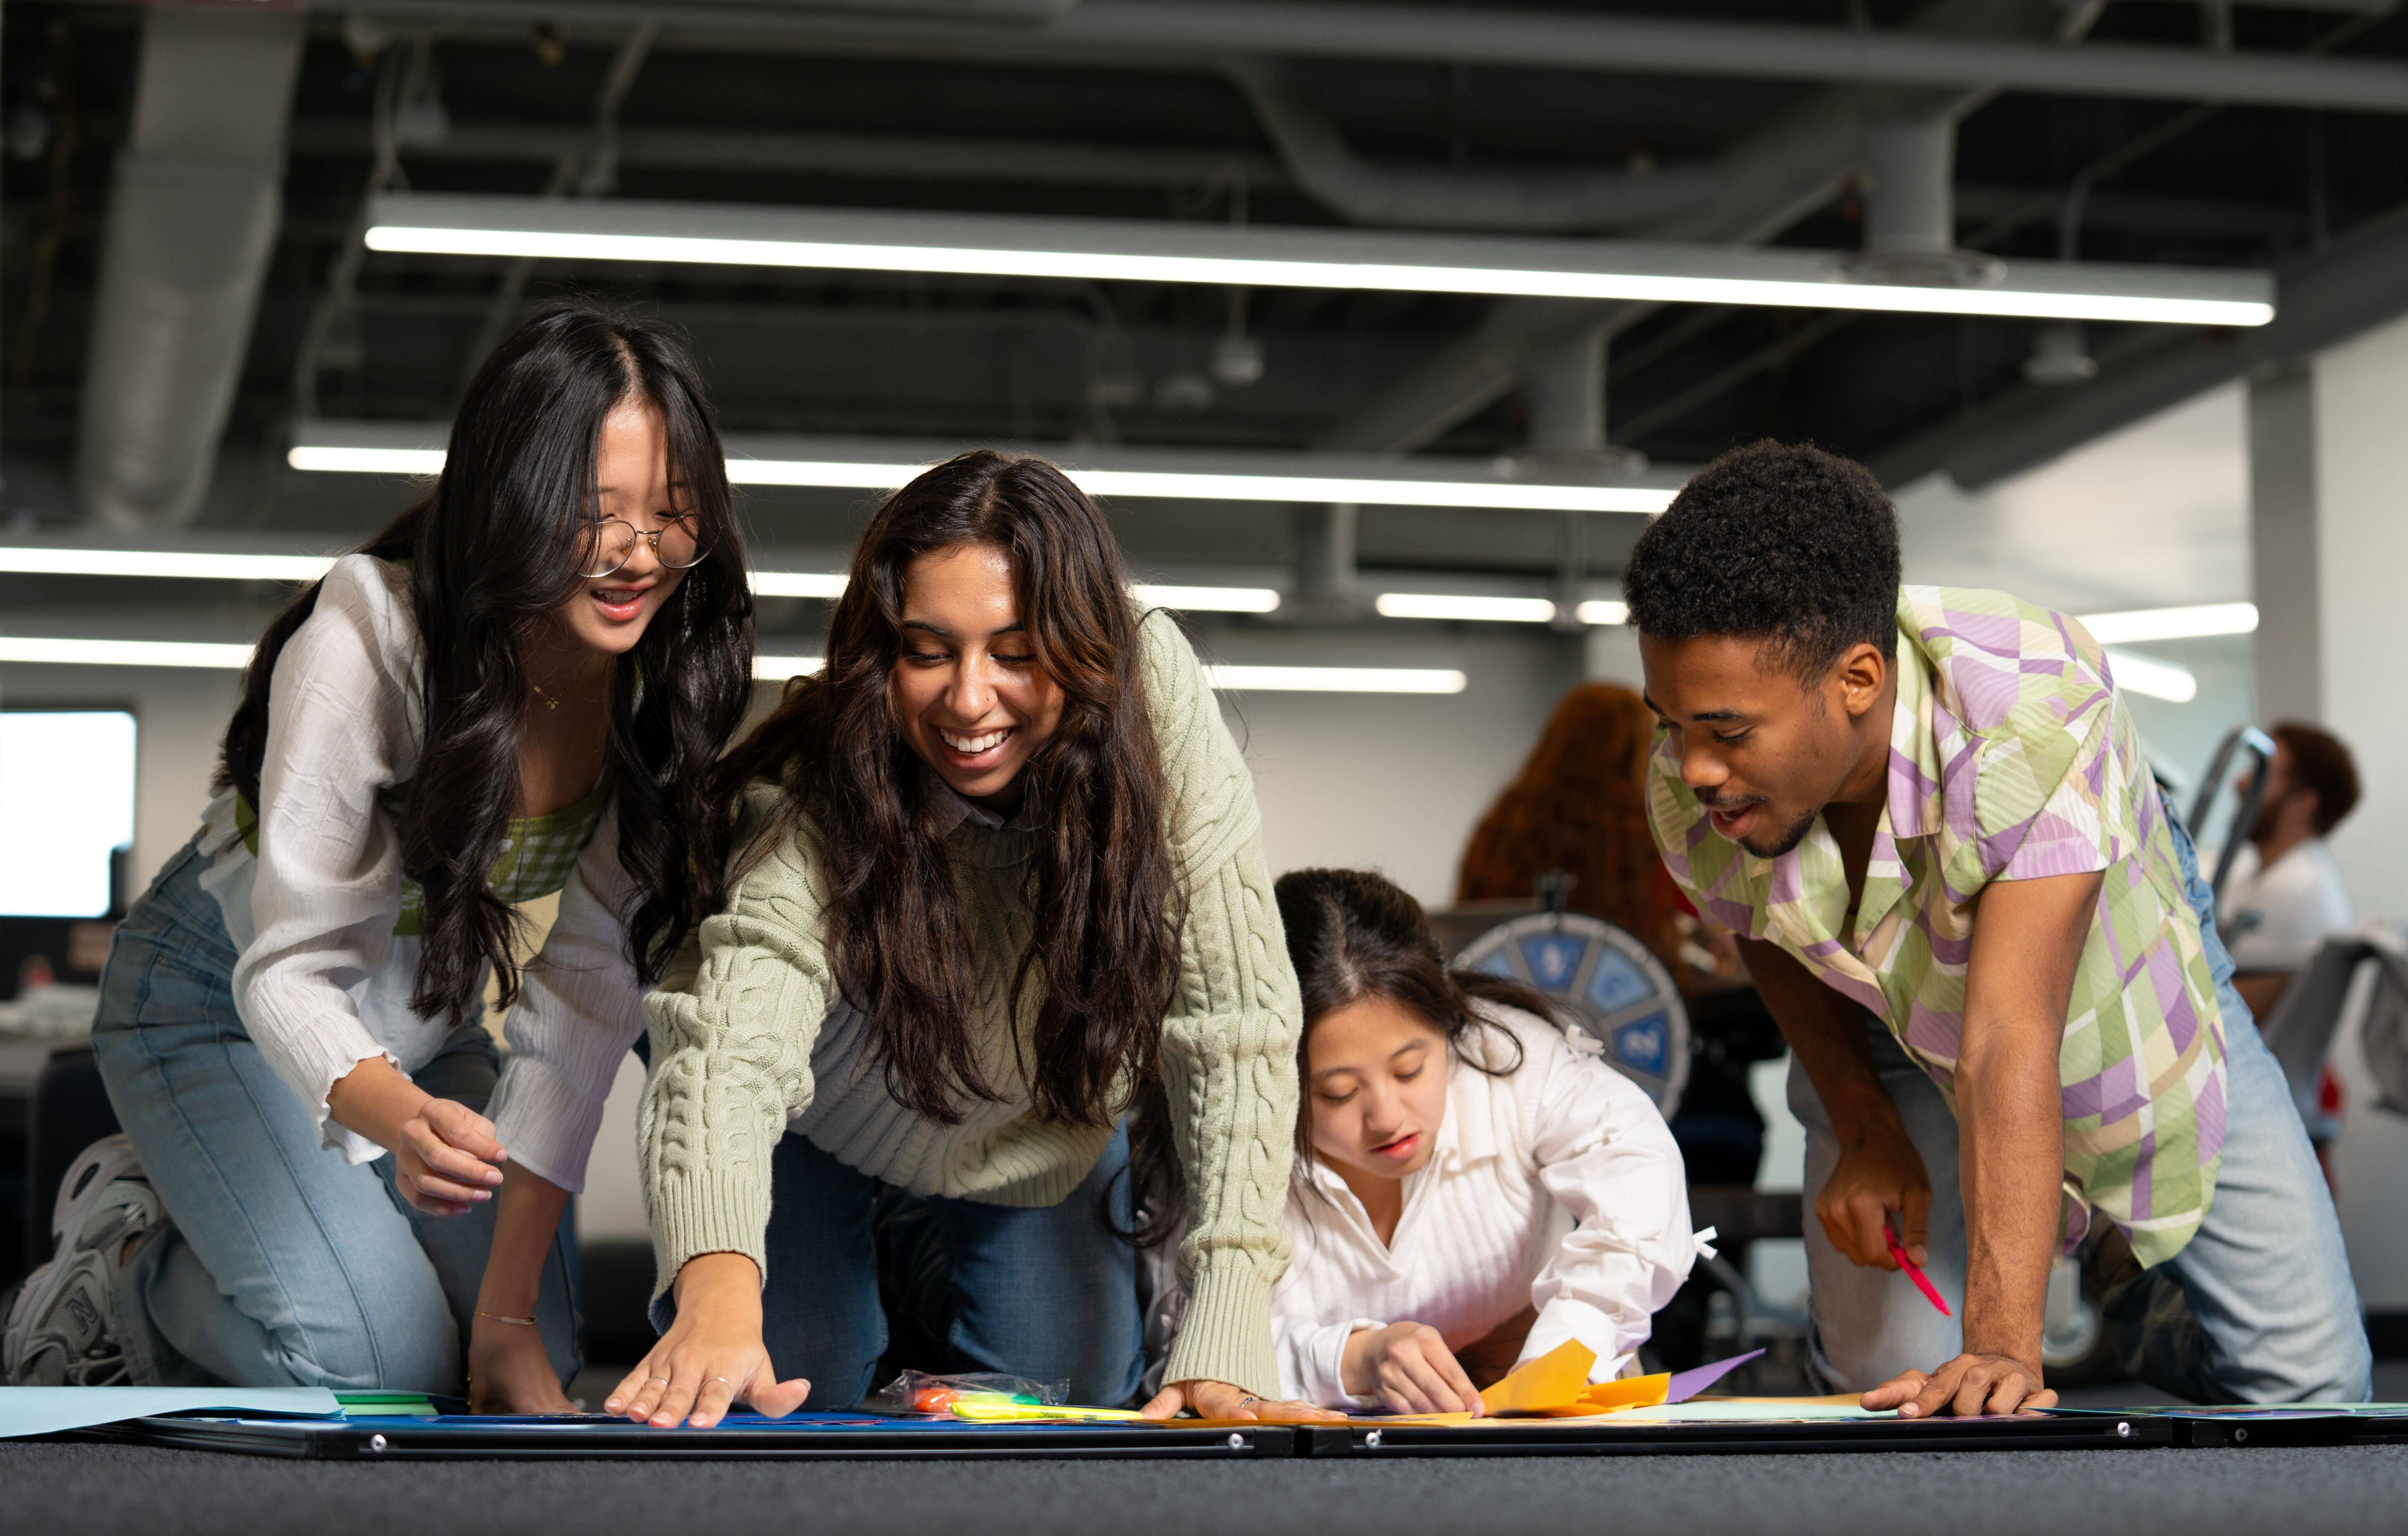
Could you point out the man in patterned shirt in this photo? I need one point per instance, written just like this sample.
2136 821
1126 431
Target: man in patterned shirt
1929 806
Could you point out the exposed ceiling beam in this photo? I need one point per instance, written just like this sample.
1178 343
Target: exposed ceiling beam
1611 43
2326 298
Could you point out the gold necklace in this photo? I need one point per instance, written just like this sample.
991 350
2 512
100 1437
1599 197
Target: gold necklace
549 702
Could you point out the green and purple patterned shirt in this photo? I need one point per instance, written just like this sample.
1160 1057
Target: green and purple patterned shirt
2011 757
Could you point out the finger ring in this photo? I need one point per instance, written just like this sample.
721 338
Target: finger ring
649 1379
1249 1397
707 1380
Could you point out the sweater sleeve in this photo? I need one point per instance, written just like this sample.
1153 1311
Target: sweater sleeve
328 884
1606 1155
1228 1048
732 1027
579 1009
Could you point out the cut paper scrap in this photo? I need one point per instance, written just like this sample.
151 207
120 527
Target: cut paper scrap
1689 1383
54 1410
1552 1382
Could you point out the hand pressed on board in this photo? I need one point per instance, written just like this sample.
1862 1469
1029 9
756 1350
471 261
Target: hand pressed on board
1966 1385
712 1357
1407 1369
510 1373
1220 1400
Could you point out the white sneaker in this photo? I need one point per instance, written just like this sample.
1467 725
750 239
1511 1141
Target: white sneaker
61 1326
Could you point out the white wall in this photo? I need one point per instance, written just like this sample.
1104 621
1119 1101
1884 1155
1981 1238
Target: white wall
180 717
1393 781
2156 515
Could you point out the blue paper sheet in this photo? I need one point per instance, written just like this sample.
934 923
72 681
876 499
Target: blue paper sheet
50 1410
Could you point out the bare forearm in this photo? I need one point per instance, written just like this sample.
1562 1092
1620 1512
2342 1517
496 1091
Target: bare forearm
1827 1032
2014 1131
375 1100
526 1215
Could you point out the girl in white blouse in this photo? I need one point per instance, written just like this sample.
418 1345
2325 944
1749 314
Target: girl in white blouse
1472 1189
511 692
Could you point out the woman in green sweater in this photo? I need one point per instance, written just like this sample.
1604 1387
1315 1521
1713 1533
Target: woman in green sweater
1003 870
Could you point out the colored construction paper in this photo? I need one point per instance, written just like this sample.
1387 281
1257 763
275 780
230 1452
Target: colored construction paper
1629 1392
1553 1380
52 1410
1689 1383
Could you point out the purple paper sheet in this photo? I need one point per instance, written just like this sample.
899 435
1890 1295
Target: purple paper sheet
1689 1383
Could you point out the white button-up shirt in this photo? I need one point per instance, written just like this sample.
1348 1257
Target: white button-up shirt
1557 1185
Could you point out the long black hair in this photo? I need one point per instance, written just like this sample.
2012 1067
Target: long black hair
1104 886
1352 933
492 551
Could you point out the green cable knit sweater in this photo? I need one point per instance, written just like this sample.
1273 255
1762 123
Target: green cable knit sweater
749 1040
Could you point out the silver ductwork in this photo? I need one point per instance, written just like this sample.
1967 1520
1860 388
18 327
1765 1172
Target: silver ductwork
193 219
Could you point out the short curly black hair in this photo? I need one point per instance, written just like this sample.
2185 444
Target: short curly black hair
1775 541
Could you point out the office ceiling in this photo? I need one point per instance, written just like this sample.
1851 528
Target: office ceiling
874 106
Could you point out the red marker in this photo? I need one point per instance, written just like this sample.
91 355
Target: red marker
1930 1293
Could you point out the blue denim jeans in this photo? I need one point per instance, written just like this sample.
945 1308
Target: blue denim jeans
1045 1292
285 1266
2258 1307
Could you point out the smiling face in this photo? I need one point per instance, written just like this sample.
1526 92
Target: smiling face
631 479
967 691
1763 753
1376 1085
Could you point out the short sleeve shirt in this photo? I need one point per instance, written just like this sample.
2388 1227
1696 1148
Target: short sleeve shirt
2011 757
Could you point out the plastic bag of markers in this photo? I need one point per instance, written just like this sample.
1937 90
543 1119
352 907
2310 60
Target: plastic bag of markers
917 1393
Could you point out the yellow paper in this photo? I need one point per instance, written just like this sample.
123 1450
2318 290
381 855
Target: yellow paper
1552 1381
1630 1392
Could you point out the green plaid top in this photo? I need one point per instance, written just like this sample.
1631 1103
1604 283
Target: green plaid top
538 852
2011 757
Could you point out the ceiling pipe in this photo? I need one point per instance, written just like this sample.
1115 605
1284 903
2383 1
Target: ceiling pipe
1168 31
193 216
1793 164
1327 168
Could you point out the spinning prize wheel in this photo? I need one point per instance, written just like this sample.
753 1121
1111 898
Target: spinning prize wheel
1608 986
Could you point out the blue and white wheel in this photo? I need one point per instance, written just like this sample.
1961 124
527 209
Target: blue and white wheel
1607 984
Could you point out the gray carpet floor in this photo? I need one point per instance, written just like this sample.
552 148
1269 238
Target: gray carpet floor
78 1489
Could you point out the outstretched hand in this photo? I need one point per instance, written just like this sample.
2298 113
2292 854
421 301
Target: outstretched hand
1966 1385
712 1358
1220 1401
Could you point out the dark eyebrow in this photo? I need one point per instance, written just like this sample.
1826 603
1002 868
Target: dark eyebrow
1701 715
937 629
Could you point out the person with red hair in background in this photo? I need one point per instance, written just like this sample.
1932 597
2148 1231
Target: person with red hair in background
1578 806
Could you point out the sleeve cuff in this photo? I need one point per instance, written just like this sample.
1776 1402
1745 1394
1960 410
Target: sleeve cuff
1329 1360
545 1122
333 1136
1227 1335
723 1210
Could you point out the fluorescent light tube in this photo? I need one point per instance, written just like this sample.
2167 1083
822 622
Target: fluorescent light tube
1210 600
2151 675
2171 624
43 651
885 475
990 245
1319 679
799 583
367 461
21 559
1604 610
1443 605
1337 679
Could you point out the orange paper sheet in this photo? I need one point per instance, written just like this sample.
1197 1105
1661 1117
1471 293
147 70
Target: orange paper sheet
1554 1381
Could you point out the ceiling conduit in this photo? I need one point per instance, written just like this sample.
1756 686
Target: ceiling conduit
193 219
1327 168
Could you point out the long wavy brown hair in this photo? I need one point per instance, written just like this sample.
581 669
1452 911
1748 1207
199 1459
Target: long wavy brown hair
1580 805
1104 886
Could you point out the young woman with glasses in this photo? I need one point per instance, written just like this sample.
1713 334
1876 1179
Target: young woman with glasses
511 692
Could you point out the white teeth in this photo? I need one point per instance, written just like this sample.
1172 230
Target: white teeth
970 746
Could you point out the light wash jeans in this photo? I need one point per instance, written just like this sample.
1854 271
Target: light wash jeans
2258 1307
285 1266
1044 1292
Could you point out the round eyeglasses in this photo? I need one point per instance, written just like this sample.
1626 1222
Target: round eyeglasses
610 543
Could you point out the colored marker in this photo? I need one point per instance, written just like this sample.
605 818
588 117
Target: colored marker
1913 1273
